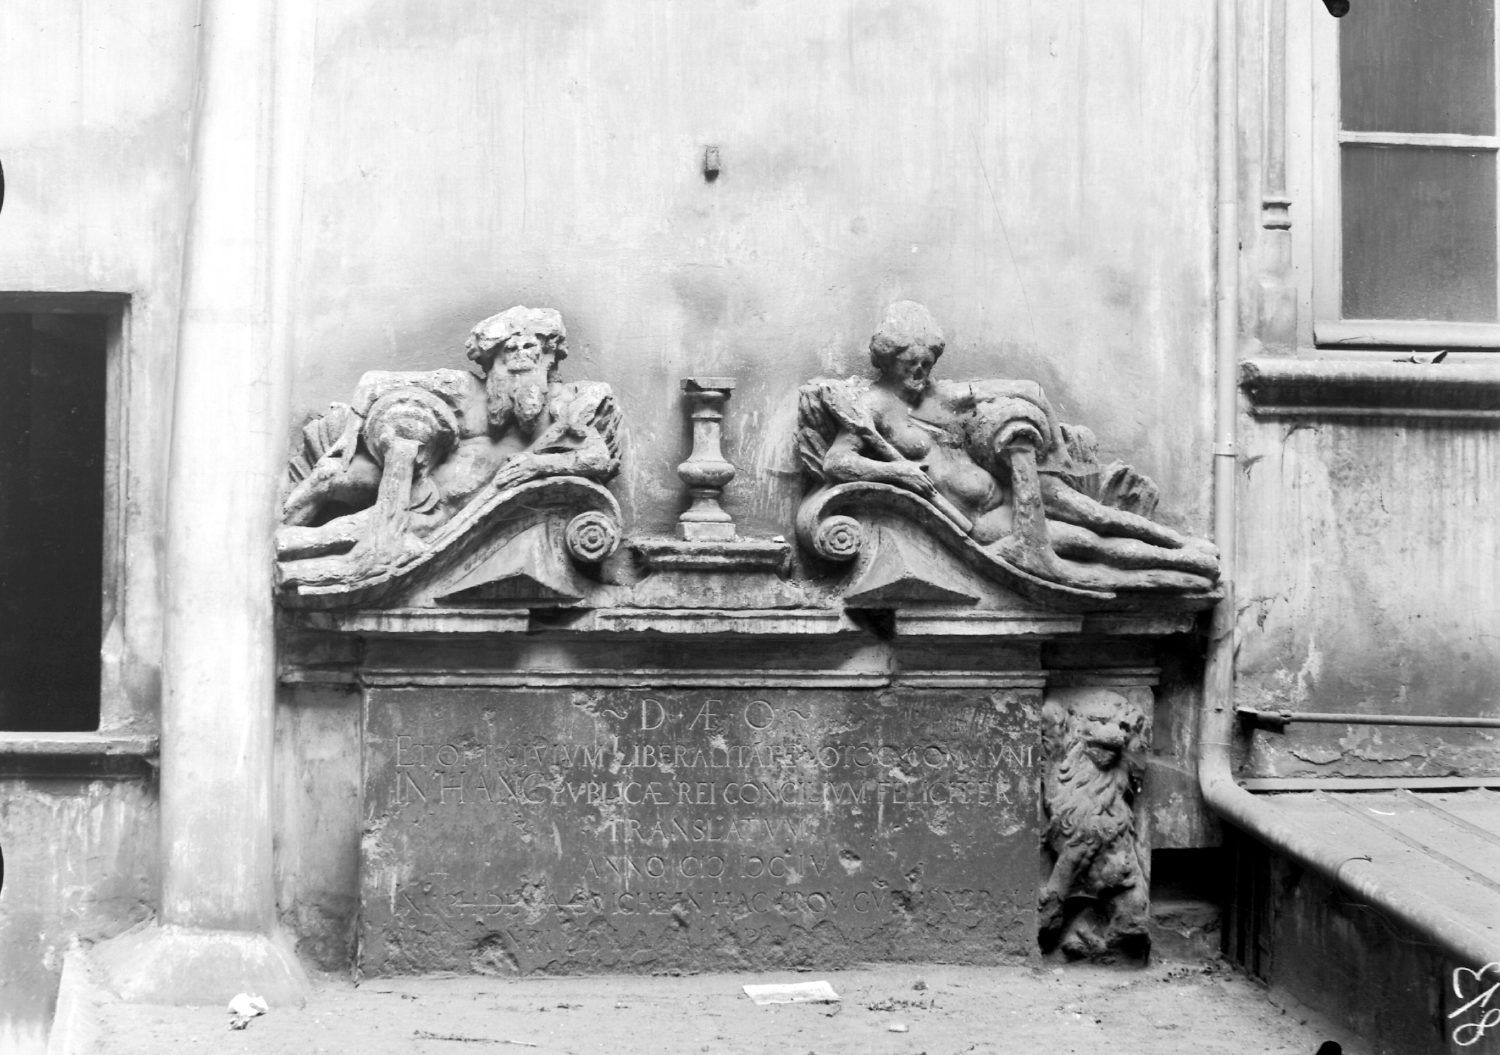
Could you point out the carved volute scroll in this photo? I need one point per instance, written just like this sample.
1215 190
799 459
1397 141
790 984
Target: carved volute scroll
411 491
1095 902
985 470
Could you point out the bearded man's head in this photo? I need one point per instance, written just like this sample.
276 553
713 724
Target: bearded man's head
518 352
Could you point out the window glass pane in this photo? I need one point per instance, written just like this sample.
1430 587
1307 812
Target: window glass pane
52 404
1419 233
1418 66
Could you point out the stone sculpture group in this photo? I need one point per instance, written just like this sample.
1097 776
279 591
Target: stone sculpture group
380 479
451 486
992 461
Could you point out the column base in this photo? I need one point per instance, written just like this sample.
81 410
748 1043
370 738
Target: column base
155 964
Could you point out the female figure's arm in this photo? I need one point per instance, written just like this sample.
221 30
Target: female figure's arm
847 461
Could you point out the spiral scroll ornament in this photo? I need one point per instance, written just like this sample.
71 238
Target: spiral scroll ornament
592 536
838 539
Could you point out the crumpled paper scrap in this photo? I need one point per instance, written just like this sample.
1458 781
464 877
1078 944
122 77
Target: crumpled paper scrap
244 1007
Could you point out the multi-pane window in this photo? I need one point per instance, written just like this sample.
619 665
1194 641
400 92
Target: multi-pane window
1406 195
53 385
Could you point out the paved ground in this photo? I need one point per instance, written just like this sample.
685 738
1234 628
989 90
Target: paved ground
1167 1009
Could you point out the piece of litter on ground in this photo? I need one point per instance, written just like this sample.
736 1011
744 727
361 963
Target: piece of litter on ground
896 1027
248 1005
792 993
244 1007
422 1034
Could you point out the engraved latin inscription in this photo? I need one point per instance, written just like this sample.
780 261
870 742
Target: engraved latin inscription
718 828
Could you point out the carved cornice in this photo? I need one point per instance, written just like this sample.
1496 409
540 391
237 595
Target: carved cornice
1323 388
739 622
645 678
668 678
421 622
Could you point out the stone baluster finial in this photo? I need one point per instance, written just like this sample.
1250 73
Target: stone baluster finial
706 472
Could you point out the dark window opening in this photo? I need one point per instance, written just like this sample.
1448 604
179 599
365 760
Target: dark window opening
1417 110
52 449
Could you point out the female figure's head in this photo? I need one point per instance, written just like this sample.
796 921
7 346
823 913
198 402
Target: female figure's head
906 347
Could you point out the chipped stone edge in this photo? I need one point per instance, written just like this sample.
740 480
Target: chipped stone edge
76 1028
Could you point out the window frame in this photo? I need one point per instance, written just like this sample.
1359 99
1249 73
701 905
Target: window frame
1321 140
114 309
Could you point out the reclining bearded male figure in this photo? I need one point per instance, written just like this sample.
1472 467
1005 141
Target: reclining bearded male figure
384 473
993 457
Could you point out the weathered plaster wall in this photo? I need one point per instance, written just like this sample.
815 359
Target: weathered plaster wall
93 142
95 156
1370 564
80 858
1039 173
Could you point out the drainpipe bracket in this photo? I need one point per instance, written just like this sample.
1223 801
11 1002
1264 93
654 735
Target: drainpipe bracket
1271 721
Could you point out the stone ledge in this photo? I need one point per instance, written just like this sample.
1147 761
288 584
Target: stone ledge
1106 677
1348 389
393 677
442 621
967 622
660 678
387 677
741 623
737 554
77 755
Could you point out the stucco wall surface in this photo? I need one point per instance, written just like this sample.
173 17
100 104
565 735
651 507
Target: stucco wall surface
1370 564
1038 173
94 146
80 858
93 140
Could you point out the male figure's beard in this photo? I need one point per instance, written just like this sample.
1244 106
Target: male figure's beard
521 398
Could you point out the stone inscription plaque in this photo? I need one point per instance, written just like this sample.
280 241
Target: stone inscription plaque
516 831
